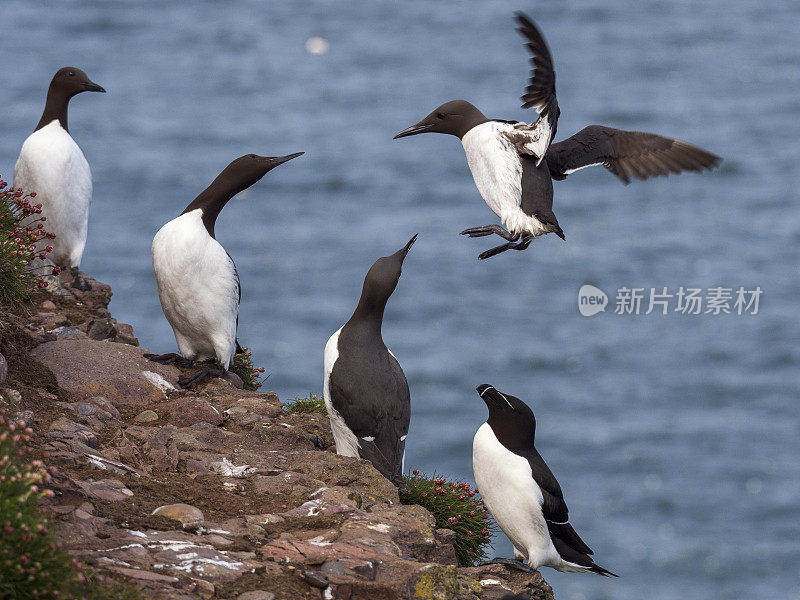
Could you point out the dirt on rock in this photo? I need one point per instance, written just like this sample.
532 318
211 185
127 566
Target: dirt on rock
282 515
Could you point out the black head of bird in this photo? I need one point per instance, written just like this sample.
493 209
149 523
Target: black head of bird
509 417
70 81
382 278
248 169
456 118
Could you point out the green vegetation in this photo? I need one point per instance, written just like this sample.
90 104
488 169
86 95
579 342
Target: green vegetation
21 234
242 365
32 563
456 507
312 404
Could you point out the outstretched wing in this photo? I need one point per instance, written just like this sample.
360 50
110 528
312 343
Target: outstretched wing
626 154
541 91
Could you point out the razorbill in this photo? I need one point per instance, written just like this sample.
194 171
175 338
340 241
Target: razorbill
198 284
52 165
513 163
520 491
366 392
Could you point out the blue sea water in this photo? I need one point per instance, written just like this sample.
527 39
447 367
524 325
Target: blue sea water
675 437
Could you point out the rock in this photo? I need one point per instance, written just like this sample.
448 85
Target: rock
256 595
111 490
26 416
63 428
102 329
204 589
88 368
48 305
146 416
234 380
11 396
125 335
3 368
185 412
186 514
68 333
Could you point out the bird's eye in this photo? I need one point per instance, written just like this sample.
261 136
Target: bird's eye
71 73
251 156
440 115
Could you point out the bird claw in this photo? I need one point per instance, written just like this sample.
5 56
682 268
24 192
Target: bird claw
511 563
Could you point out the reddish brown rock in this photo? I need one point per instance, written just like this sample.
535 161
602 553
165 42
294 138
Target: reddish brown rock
185 514
118 372
184 412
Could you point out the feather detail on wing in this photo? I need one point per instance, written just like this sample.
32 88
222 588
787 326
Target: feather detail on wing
541 90
627 154
566 540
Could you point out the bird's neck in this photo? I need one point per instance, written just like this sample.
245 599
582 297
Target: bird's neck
55 108
368 315
472 121
212 200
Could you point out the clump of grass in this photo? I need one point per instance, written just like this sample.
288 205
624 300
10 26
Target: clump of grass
456 507
312 404
242 365
32 563
21 236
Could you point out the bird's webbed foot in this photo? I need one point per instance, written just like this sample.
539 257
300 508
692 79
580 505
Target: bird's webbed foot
78 282
484 230
191 381
170 358
511 563
521 245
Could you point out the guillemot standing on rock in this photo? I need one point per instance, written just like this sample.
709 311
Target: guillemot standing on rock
513 163
522 493
197 280
366 392
52 165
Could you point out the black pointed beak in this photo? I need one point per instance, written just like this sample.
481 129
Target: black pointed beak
91 86
279 160
413 130
404 250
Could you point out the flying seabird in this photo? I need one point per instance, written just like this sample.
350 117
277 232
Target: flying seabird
52 165
522 493
365 389
513 163
198 284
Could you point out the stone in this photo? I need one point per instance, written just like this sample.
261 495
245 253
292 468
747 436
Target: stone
111 490
256 595
65 429
146 416
11 396
185 412
68 333
48 305
186 514
102 329
26 416
204 589
88 368
125 335
234 380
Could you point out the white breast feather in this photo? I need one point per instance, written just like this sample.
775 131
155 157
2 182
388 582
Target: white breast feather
52 165
346 441
507 487
497 171
197 288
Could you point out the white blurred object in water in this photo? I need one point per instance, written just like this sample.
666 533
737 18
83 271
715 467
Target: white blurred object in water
317 45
